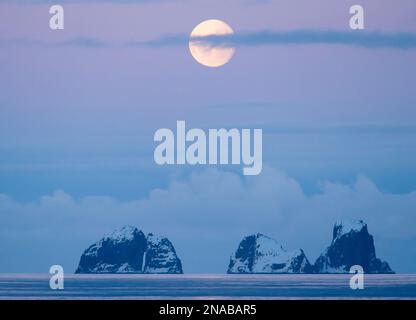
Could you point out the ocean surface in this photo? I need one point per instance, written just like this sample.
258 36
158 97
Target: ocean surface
203 286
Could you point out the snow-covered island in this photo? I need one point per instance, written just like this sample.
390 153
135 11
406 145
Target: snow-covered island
351 245
128 250
258 253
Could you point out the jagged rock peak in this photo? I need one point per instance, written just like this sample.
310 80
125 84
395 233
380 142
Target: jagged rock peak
258 253
161 256
351 245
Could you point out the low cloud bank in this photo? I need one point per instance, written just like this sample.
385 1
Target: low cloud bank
205 215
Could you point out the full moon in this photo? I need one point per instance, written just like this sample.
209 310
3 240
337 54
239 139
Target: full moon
207 55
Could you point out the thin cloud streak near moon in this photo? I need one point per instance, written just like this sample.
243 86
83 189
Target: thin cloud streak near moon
297 37
371 40
81 42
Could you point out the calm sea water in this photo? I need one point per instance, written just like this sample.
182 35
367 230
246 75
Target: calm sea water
36 286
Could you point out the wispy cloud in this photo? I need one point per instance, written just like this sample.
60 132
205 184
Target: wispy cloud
296 37
371 40
86 42
82 42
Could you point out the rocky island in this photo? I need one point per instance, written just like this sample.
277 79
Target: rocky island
128 250
351 245
258 253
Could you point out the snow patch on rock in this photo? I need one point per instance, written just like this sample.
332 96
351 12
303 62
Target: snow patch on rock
344 227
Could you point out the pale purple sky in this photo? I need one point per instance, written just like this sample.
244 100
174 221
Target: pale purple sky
81 119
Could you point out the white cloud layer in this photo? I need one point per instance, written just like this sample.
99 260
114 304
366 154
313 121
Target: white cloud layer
205 215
